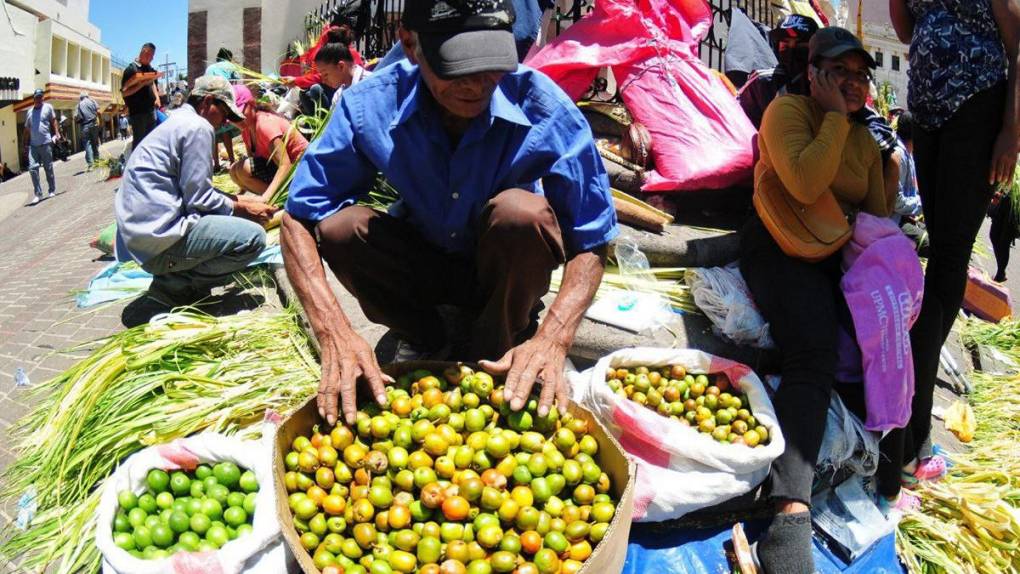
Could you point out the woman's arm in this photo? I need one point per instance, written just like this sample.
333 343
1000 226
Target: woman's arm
283 165
902 20
877 201
1007 18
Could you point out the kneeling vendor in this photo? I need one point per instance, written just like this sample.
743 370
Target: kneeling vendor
170 219
499 182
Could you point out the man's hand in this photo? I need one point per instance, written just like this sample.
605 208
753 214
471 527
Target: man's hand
1004 156
345 358
256 211
538 359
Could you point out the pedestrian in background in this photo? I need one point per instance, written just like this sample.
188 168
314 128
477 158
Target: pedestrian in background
122 125
86 115
141 95
41 132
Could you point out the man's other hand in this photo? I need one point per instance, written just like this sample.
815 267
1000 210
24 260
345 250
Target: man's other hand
536 360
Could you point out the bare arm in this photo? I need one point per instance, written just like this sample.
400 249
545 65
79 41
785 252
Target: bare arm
55 126
138 81
155 92
542 358
1007 18
891 175
344 354
283 165
902 20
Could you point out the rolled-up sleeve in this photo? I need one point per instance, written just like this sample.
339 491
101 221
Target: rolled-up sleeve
197 190
332 173
576 185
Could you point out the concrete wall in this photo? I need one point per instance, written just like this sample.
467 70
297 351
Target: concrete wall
72 13
17 48
224 28
9 149
283 21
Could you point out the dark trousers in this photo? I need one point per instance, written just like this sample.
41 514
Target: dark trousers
804 306
952 164
141 125
399 278
1002 234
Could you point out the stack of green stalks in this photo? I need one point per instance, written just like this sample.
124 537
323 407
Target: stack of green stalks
666 282
969 521
177 376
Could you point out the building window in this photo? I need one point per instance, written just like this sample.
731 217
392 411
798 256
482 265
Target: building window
896 63
878 58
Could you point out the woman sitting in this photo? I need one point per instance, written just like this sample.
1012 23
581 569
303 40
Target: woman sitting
273 145
810 148
337 66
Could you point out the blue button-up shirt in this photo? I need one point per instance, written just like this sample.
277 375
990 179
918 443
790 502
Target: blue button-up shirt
532 137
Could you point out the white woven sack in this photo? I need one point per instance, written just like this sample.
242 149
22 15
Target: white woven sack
256 546
680 470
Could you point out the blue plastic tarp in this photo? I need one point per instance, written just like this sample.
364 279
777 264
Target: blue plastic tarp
653 549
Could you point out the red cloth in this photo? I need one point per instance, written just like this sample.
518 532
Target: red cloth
267 127
311 77
701 138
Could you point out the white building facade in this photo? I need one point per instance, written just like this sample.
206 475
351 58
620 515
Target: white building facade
891 55
50 45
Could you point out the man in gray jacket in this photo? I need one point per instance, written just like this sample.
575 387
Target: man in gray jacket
171 220
86 115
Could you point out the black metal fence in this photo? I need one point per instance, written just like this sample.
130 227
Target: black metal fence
383 18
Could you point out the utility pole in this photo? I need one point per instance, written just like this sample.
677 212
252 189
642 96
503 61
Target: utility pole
165 68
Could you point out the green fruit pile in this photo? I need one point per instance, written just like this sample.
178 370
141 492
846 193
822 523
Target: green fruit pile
447 480
186 511
706 402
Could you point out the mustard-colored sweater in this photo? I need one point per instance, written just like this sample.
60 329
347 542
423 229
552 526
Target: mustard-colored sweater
812 151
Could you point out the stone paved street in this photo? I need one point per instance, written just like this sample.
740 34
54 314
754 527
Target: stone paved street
46 257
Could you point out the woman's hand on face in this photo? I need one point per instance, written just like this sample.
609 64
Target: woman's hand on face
825 90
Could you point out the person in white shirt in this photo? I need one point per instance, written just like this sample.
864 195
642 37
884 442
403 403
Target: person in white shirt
336 66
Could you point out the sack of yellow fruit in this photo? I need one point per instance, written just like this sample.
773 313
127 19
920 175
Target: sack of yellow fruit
700 428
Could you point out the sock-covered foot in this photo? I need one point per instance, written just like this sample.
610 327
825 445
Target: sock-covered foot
786 546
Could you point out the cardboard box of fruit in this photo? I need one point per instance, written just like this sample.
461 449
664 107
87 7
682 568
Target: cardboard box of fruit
538 495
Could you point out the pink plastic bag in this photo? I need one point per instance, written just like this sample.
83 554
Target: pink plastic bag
701 138
883 286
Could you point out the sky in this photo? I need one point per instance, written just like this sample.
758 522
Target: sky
127 24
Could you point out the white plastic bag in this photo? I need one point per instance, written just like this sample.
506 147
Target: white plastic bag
721 293
679 469
256 547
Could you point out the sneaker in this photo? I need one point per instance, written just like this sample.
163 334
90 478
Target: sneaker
407 352
51 195
35 200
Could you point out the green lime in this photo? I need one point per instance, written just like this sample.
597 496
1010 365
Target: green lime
209 482
127 500
136 517
213 509
235 499
124 541
189 541
235 516
152 520
157 480
199 523
249 503
217 535
206 546
194 506
142 536
121 523
179 522
244 529
227 474
147 502
203 471
180 484
218 492
162 536
164 500
248 483
197 489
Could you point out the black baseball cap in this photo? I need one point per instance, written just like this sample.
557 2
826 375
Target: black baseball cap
794 26
462 37
833 42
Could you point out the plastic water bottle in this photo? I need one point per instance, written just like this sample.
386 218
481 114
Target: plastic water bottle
20 378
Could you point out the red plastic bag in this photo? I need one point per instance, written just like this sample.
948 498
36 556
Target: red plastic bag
701 138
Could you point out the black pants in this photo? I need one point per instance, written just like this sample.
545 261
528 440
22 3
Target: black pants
804 307
1002 234
952 164
141 125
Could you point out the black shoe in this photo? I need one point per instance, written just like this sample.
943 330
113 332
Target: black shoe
141 310
1000 278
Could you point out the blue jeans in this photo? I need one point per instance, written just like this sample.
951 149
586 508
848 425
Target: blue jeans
90 143
41 155
213 249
